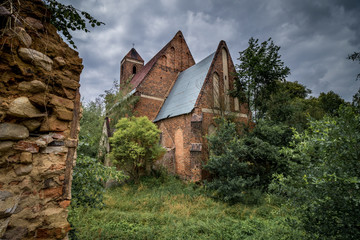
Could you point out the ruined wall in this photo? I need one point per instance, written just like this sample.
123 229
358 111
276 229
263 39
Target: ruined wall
39 117
182 137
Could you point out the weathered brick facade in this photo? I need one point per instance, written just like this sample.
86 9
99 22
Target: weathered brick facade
183 135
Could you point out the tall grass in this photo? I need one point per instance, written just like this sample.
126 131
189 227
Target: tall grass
170 209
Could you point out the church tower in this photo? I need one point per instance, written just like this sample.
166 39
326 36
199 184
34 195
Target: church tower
131 64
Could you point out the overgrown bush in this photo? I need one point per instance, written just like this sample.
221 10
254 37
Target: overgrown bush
242 165
324 179
89 177
135 145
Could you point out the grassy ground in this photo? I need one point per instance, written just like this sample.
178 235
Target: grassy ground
170 209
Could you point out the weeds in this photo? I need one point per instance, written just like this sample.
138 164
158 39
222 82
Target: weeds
160 208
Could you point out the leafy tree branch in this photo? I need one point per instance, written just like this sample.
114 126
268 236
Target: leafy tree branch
67 18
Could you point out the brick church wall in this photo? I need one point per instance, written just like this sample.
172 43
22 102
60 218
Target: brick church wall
39 123
178 134
174 58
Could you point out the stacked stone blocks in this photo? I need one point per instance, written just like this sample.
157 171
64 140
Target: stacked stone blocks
39 123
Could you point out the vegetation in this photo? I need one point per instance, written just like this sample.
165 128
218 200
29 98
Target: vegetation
166 208
91 128
89 178
66 18
90 175
258 72
323 180
242 165
135 145
293 175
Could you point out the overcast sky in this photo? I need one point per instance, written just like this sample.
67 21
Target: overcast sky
315 36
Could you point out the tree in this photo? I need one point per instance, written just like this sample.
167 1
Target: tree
330 102
118 102
135 146
355 57
66 18
324 180
91 128
259 70
287 105
242 165
356 98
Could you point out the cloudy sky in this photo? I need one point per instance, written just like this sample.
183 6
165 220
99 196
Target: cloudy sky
315 36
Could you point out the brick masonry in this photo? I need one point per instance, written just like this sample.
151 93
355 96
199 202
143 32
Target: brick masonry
184 136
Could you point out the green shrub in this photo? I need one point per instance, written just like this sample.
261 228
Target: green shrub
242 166
89 177
135 145
324 179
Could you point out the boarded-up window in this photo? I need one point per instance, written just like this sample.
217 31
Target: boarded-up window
216 92
179 152
236 104
226 79
172 57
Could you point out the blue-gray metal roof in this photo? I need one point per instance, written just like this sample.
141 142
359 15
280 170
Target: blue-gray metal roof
183 95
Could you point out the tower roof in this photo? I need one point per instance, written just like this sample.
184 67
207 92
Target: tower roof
133 54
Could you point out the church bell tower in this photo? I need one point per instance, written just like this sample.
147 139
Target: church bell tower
131 64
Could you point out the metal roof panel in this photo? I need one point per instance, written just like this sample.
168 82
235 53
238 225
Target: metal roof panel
183 95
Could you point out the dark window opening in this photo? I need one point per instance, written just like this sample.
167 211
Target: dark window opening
134 70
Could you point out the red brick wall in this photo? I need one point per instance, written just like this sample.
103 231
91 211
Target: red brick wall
186 162
162 76
147 107
126 70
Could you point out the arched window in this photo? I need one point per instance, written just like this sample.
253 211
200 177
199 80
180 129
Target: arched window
216 92
134 69
226 79
172 57
179 152
163 60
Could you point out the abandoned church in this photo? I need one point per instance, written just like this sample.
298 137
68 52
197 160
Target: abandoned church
182 98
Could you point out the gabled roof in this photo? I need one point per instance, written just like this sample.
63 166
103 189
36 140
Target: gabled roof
183 95
140 76
133 54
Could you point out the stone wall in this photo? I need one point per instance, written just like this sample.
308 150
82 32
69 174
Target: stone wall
39 123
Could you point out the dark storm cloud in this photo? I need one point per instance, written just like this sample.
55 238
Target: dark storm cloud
315 36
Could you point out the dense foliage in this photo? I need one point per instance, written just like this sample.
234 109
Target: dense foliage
91 125
135 145
324 179
257 74
242 166
89 178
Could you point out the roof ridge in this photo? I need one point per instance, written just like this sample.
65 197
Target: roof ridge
140 76
133 54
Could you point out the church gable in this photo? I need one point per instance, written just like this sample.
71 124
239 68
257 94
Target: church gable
159 74
214 95
186 89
